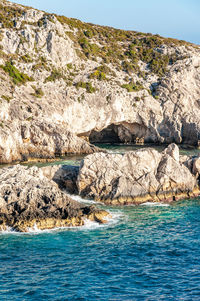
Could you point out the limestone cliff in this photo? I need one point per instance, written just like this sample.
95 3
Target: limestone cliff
61 78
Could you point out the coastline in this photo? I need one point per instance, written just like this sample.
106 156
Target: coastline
48 184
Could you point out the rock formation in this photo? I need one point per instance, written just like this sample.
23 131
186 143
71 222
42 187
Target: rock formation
24 141
64 176
139 176
61 78
28 199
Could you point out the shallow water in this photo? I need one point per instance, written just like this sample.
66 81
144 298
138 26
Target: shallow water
147 252
115 148
112 148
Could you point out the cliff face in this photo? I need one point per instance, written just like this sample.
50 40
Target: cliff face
60 77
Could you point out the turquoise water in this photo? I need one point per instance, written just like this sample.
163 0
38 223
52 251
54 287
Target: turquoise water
145 253
115 148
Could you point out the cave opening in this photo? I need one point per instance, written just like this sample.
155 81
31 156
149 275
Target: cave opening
126 133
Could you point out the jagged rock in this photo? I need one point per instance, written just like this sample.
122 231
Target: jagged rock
135 177
173 151
173 176
192 163
39 140
28 199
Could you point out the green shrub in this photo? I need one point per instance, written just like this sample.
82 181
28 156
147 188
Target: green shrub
88 49
55 75
8 15
41 64
159 65
41 22
133 87
17 76
85 85
129 67
69 66
98 75
137 98
101 72
123 49
88 33
84 43
7 98
26 58
38 92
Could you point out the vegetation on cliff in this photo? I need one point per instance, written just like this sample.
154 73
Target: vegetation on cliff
17 76
88 78
115 49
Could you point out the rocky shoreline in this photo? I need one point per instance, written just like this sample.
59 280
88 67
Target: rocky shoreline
39 142
28 199
136 177
39 197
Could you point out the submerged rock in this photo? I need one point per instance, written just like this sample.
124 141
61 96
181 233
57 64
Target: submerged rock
29 199
137 177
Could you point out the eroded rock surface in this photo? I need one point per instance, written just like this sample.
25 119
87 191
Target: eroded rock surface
67 81
24 141
29 199
138 176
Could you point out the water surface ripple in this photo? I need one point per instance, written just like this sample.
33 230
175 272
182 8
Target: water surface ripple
150 253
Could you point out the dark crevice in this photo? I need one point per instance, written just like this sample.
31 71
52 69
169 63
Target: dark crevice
120 133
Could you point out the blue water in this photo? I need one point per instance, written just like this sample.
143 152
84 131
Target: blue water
144 253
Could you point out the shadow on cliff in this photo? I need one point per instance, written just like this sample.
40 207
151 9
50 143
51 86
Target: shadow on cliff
65 177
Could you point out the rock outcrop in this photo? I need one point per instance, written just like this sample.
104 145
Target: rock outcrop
25 141
60 76
138 176
28 199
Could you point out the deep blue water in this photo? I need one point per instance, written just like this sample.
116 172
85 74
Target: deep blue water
149 253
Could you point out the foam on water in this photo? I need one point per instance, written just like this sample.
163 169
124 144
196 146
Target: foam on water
155 204
133 257
87 201
116 216
81 200
8 230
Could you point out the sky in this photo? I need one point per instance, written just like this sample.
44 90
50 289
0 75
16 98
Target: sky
170 18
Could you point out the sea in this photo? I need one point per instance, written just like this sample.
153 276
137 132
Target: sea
147 252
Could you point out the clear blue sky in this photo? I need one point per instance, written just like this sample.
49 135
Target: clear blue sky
170 18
